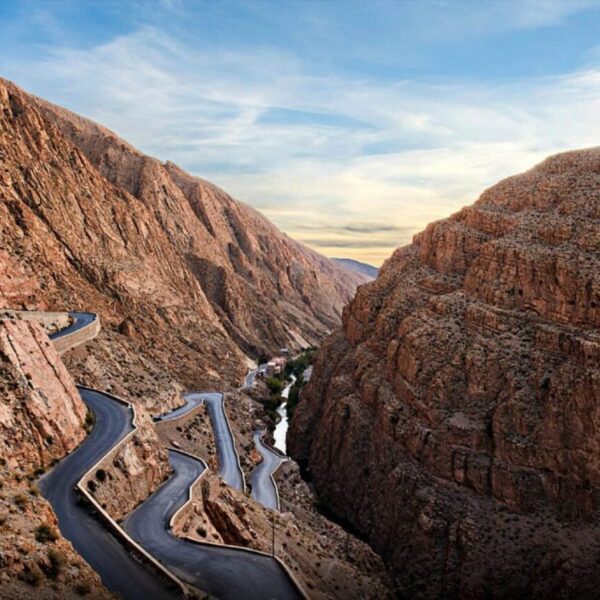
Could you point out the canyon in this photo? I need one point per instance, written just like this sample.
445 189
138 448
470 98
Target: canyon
453 420
189 286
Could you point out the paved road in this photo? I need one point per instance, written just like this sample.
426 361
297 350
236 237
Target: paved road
229 466
249 380
80 319
120 573
192 400
228 573
251 377
264 489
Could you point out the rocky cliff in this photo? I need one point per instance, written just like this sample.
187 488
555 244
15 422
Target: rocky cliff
454 420
187 280
41 420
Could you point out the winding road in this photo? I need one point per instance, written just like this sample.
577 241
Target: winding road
264 488
229 462
119 571
228 573
80 320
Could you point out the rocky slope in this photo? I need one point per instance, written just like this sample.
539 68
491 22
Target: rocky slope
41 420
454 419
174 266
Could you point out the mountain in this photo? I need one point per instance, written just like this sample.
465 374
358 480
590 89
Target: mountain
185 278
453 420
358 267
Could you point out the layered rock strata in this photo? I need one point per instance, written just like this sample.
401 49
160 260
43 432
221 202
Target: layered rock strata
454 419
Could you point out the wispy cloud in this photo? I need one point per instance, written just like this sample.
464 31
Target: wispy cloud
338 161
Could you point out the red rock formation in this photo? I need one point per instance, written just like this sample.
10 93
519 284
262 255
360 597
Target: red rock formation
87 221
41 420
454 420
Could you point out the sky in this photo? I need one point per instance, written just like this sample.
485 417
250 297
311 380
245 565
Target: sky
350 124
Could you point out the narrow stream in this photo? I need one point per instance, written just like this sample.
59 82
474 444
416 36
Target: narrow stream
282 427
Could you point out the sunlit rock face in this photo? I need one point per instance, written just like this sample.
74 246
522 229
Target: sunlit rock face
187 281
454 420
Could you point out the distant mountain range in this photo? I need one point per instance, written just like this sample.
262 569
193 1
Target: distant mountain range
358 267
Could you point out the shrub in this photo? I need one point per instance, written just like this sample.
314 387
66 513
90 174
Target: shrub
275 385
101 475
58 561
201 531
45 533
83 588
21 501
89 421
32 574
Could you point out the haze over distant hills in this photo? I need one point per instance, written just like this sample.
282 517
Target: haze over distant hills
357 266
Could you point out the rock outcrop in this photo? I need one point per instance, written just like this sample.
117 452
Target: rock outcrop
454 420
41 420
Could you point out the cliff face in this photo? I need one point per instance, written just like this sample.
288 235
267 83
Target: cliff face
185 279
41 420
454 419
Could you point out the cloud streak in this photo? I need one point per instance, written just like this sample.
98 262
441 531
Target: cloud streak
337 161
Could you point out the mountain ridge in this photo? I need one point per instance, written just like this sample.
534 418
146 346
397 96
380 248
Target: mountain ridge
151 248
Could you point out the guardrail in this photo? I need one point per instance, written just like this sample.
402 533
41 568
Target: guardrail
78 336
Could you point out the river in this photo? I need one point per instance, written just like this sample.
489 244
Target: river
282 427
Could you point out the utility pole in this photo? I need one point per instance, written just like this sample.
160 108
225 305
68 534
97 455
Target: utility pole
273 521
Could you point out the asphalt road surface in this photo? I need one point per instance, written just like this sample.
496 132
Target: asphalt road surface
119 571
229 466
227 573
263 486
192 399
249 380
80 319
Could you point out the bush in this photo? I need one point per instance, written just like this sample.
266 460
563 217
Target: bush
32 574
201 531
275 385
89 421
101 475
58 562
83 588
21 501
45 533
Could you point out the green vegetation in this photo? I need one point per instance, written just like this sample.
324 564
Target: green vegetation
275 385
101 475
297 368
298 365
90 419
45 533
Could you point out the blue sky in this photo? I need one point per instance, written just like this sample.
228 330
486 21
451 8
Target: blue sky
350 124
